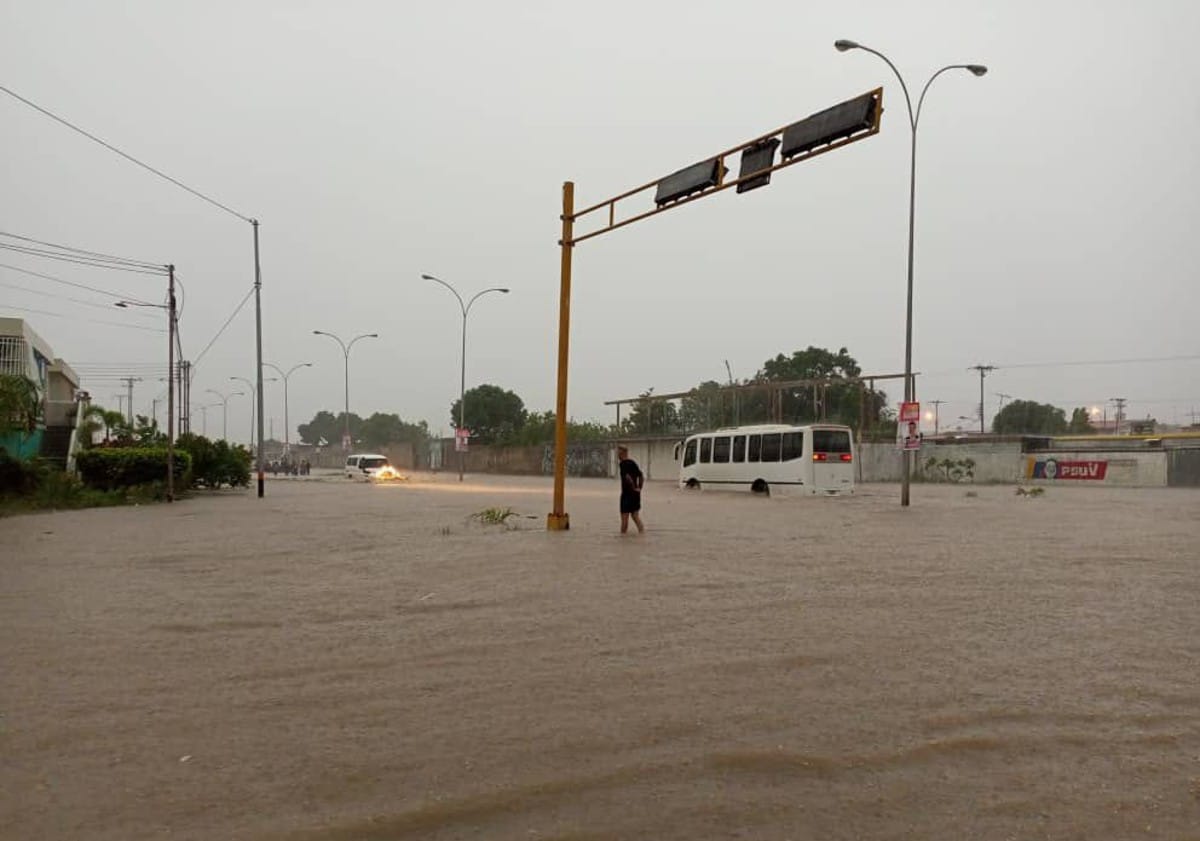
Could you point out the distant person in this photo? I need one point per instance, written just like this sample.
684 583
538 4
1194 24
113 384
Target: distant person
631 491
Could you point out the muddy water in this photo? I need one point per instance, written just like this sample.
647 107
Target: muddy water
354 662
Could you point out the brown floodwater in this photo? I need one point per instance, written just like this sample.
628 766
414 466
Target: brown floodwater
342 661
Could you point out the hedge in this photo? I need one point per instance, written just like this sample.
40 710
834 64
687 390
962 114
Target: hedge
216 463
122 467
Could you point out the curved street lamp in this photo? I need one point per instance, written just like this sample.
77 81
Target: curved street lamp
914 119
346 442
287 444
465 307
224 409
253 390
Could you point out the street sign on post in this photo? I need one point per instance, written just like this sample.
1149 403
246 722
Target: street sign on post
462 438
908 427
345 442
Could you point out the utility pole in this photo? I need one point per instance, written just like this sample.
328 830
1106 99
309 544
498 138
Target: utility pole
185 397
170 383
734 394
983 370
936 405
1002 397
1119 402
129 381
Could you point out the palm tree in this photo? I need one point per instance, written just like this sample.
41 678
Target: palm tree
96 416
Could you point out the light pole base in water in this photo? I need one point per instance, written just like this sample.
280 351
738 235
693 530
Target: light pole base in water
558 522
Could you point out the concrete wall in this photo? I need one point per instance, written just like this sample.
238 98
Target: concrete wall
1005 462
1123 467
995 461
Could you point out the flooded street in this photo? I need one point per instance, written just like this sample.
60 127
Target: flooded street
342 661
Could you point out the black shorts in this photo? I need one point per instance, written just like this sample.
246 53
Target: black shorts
631 503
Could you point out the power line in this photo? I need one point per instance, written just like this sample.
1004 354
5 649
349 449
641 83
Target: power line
105 307
127 157
232 315
1132 361
118 295
96 264
99 255
91 320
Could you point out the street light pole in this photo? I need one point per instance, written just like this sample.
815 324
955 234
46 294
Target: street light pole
346 442
914 118
224 410
287 444
172 325
255 388
462 382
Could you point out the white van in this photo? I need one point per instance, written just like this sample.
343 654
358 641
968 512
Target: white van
368 466
815 459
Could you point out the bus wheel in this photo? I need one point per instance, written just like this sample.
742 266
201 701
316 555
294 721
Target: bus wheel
692 485
760 487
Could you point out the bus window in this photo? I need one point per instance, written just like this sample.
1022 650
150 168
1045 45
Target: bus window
721 450
771 446
755 447
705 450
739 448
793 445
689 453
831 441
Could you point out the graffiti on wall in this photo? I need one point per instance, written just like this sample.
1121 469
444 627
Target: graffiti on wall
582 460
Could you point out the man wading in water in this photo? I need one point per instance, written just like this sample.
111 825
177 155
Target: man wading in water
631 491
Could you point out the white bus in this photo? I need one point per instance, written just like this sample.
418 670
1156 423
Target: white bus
816 459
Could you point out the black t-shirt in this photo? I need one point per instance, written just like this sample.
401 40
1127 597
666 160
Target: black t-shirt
631 476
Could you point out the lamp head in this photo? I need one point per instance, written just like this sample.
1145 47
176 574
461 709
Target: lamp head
373 335
843 44
977 69
121 304
504 289
318 333
428 277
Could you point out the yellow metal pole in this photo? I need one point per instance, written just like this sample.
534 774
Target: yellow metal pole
558 520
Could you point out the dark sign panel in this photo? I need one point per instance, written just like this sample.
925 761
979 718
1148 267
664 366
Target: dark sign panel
756 158
688 180
826 126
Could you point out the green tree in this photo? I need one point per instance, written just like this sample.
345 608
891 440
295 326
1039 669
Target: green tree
539 429
709 406
492 413
328 427
837 402
381 429
1081 423
112 422
650 416
1027 417
20 405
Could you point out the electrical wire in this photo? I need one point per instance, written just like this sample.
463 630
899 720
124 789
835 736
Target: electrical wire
98 255
50 255
232 315
118 295
1132 361
124 155
105 307
78 318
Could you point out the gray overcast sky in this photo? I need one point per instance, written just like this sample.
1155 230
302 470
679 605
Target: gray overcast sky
1056 208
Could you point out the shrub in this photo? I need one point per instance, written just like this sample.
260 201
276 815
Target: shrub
16 477
216 463
107 469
